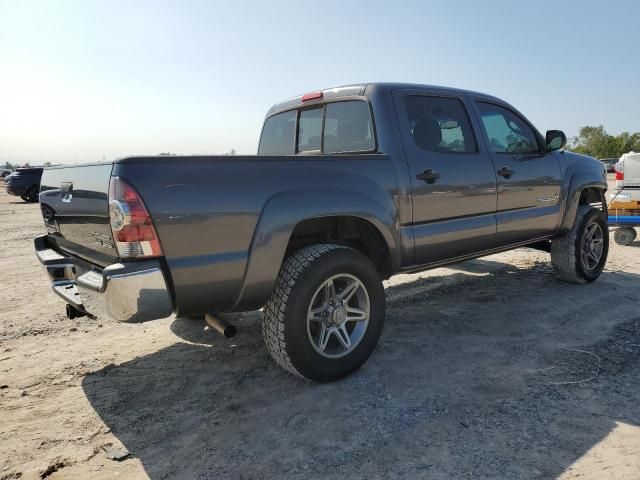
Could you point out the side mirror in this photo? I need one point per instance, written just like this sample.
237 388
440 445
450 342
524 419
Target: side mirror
556 139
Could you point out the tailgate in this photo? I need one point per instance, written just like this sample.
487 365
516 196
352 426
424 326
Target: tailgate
75 207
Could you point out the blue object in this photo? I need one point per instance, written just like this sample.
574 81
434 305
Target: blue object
624 220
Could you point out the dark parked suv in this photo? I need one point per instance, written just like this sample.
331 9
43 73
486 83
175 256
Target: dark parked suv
25 183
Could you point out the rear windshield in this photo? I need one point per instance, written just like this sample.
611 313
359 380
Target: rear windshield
310 130
337 127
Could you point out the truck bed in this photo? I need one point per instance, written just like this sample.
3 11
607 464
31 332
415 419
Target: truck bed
195 201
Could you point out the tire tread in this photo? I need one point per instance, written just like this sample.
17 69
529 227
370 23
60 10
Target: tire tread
564 256
273 326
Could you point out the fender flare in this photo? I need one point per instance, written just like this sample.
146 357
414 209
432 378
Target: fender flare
579 181
284 211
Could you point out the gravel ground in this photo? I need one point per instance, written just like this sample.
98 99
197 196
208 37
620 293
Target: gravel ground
488 369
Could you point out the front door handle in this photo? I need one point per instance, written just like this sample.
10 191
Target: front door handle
505 172
429 176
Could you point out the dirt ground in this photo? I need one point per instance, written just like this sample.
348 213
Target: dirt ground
488 369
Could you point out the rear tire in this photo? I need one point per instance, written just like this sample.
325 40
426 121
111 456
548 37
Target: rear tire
326 313
624 235
580 255
32 195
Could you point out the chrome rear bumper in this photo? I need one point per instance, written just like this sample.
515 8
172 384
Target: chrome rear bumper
127 292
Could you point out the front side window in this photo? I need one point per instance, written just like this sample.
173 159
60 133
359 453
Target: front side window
278 134
310 130
348 128
439 124
506 131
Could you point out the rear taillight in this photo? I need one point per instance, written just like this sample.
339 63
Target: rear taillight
131 225
619 175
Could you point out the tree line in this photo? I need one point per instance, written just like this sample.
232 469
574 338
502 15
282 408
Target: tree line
596 142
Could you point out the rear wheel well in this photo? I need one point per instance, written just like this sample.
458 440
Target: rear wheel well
349 231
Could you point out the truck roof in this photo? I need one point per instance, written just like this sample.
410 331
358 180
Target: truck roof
360 89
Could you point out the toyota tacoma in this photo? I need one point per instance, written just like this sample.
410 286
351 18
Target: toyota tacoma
350 186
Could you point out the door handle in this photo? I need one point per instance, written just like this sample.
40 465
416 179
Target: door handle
429 176
505 172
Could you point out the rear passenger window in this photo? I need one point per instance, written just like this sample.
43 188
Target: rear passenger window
439 124
310 130
348 128
278 134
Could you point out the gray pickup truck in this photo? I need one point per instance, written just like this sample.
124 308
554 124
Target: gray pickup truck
350 186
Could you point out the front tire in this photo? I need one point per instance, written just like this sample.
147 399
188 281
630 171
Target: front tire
326 313
579 256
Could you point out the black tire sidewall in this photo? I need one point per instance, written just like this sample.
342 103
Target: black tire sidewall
593 215
303 356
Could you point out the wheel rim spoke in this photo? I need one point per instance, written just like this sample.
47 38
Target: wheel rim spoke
329 291
349 290
315 315
355 314
343 336
325 333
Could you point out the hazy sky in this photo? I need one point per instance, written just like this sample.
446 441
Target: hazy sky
80 80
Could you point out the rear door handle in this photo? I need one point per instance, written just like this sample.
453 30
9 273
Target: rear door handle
505 172
429 176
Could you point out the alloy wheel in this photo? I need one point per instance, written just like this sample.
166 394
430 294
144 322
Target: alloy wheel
592 246
338 316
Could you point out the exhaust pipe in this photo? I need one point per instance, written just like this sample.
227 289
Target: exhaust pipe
220 325
72 312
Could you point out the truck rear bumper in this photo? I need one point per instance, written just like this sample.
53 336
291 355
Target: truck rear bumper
127 292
